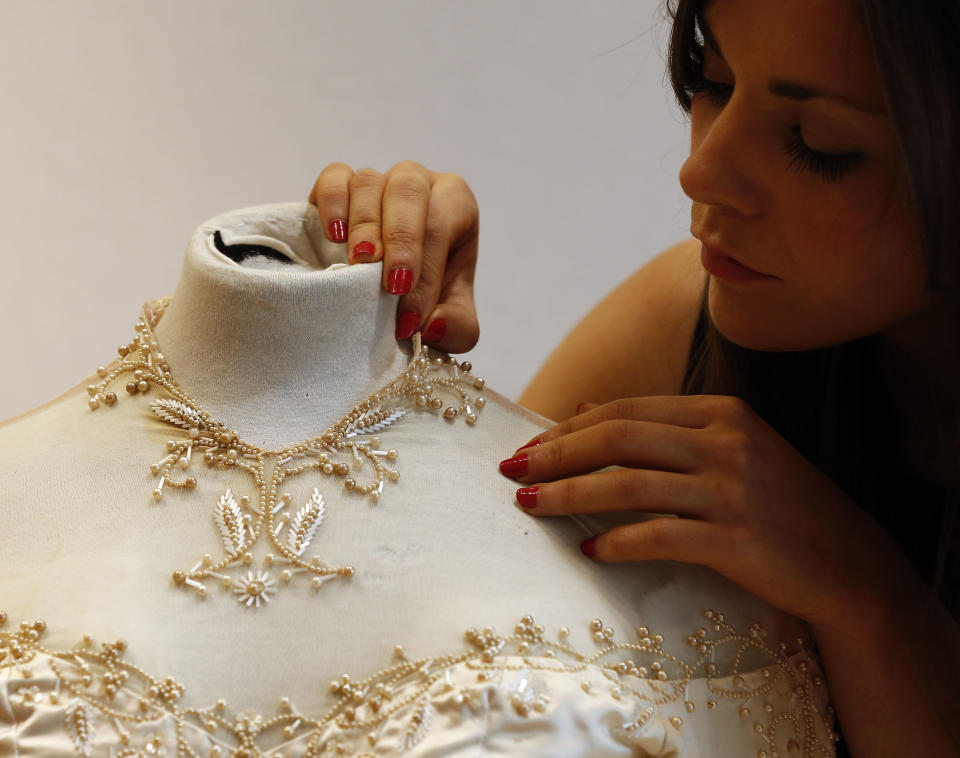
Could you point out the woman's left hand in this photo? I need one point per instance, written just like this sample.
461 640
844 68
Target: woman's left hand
750 506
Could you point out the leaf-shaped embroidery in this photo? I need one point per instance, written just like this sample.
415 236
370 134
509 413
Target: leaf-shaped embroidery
177 413
419 725
230 522
304 524
369 427
79 726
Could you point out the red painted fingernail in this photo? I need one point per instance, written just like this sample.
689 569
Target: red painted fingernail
589 547
399 281
534 443
407 323
364 248
516 466
338 230
435 330
527 496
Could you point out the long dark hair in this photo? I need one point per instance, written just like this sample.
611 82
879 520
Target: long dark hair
831 403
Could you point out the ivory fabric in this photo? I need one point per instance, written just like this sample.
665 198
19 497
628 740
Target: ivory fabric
513 643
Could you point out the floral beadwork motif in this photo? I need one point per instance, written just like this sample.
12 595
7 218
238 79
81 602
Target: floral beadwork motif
107 700
341 452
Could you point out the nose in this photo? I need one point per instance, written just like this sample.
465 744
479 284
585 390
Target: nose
723 151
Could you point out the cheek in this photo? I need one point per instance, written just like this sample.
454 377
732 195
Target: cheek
858 257
851 267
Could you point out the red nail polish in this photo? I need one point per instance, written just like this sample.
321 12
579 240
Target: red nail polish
516 466
532 443
527 496
407 323
398 283
364 248
338 230
589 547
435 330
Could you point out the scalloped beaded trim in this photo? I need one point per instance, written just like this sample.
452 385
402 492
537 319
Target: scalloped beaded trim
90 682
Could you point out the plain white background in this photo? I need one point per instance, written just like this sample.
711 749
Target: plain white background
125 125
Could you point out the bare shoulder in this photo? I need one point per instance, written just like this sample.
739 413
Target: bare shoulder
634 342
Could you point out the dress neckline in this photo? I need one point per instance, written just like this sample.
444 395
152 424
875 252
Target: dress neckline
339 453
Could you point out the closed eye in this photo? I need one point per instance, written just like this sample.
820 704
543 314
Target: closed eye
831 167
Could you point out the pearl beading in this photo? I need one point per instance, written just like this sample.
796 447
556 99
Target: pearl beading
101 688
353 439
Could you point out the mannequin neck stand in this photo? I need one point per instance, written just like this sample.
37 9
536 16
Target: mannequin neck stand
278 350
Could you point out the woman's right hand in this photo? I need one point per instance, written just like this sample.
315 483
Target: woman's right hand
425 226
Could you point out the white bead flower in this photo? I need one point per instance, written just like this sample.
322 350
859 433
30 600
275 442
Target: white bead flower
254 588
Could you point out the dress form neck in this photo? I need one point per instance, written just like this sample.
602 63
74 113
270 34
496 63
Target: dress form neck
278 351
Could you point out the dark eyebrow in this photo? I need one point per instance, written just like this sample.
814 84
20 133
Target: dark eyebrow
792 90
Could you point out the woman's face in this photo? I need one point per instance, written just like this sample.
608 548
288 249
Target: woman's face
836 233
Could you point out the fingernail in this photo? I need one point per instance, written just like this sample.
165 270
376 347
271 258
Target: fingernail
399 281
516 466
534 443
364 248
527 496
338 230
407 323
589 547
435 330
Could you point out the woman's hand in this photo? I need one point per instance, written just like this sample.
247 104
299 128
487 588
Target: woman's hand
424 226
750 506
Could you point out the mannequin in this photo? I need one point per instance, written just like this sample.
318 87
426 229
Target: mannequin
277 348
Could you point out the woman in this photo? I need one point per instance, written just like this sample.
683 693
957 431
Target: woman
817 398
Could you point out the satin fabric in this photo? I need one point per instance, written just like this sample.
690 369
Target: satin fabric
507 705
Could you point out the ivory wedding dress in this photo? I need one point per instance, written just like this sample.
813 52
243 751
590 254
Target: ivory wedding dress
268 528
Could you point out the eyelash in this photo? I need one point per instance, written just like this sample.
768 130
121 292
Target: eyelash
830 167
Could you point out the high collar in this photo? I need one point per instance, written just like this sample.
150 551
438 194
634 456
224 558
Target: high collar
278 351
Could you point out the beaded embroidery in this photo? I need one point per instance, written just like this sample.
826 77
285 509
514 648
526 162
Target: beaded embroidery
353 439
397 704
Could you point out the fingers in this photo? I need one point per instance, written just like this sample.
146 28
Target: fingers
692 411
443 297
363 235
456 311
331 195
406 200
675 539
622 442
620 490
424 226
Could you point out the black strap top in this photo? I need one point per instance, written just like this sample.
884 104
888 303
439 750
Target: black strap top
699 332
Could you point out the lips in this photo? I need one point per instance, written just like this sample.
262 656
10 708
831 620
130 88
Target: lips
728 269
719 251
725 254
